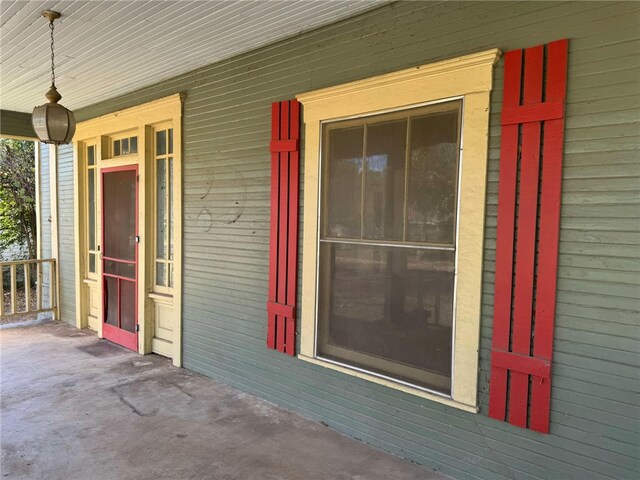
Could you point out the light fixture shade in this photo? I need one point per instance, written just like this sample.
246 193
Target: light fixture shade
53 123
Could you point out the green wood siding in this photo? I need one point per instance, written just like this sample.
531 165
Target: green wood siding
66 264
595 397
45 216
66 235
16 124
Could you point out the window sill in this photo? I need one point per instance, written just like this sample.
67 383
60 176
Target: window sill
388 383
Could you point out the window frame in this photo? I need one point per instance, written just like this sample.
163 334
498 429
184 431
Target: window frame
469 78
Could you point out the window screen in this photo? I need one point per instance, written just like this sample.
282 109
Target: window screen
387 243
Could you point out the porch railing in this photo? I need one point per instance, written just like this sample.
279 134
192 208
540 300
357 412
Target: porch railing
27 278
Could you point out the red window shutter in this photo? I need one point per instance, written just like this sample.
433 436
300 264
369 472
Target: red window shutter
283 251
527 256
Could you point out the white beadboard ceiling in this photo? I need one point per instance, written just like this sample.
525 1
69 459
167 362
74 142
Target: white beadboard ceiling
107 48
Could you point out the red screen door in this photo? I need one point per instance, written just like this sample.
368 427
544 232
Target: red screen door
120 255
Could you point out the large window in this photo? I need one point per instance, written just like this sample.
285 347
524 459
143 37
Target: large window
394 208
387 243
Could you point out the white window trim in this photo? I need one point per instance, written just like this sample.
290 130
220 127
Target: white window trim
468 77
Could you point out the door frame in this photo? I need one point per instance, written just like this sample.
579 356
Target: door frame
99 131
114 334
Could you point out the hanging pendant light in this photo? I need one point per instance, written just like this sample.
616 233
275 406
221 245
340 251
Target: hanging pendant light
52 122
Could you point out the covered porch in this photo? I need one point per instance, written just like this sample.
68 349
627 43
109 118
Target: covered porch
76 407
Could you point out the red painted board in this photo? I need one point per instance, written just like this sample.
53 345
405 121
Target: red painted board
526 257
533 113
284 148
526 236
505 232
273 244
292 241
550 200
283 224
521 363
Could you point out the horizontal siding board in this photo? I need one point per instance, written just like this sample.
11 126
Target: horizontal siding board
610 289
613 316
601 198
620 358
620 184
614 428
605 262
629 144
590 163
607 301
585 207
45 218
624 132
582 371
620 372
592 328
628 395
566 331
66 234
226 231
613 276
600 407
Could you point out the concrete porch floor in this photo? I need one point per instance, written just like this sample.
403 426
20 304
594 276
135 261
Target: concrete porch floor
77 407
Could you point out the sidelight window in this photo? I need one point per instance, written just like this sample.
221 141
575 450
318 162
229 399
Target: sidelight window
91 209
164 208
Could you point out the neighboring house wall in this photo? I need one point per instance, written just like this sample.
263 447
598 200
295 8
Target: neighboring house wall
66 235
14 252
595 396
16 124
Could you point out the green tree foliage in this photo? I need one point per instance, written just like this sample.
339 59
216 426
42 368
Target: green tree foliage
17 195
